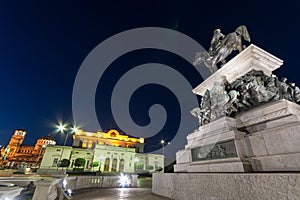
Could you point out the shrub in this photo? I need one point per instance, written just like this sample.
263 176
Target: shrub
79 162
64 163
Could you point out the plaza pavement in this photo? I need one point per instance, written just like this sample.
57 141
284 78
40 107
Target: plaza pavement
143 192
116 194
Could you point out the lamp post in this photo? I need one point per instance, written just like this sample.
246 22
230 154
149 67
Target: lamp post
61 128
163 147
163 150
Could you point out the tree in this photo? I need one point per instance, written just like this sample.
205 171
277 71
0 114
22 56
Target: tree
64 163
94 164
149 167
79 162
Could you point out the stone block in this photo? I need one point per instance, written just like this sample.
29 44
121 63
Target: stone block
228 186
183 156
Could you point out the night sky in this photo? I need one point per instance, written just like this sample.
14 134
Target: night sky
42 45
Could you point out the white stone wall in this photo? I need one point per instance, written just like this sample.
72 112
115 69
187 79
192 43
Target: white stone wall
99 154
54 152
231 186
86 154
127 154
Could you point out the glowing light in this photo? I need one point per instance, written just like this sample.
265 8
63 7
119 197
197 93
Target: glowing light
69 192
124 181
74 129
89 134
27 170
64 183
162 141
61 127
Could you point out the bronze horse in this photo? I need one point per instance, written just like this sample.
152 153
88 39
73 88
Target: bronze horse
231 42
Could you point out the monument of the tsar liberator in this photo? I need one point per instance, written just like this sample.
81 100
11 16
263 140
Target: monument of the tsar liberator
247 145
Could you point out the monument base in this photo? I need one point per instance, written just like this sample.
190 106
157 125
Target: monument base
231 186
215 147
265 138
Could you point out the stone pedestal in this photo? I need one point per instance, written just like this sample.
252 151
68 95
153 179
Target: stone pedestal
227 186
266 138
215 147
134 178
272 142
43 189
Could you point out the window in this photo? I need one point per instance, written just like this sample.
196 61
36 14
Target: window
106 165
55 161
114 165
121 165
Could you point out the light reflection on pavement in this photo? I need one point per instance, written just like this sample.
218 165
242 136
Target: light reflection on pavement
117 194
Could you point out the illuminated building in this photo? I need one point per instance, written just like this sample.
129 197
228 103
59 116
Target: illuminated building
89 140
114 152
109 159
16 153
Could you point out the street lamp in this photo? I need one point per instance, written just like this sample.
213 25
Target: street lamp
163 148
61 128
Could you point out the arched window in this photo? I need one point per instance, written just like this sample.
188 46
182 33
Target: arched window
106 164
114 165
121 165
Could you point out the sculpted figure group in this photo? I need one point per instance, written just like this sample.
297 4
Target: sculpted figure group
250 90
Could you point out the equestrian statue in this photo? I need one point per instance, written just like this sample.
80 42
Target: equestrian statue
221 47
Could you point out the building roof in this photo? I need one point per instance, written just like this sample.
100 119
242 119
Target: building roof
47 137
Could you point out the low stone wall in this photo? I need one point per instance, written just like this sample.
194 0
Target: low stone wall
51 188
225 186
82 182
10 192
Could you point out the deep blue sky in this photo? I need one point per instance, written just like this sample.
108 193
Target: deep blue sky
42 45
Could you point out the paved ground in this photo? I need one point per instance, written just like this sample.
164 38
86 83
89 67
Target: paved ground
143 192
116 194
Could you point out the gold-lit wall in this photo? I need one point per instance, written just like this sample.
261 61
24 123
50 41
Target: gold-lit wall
16 152
89 140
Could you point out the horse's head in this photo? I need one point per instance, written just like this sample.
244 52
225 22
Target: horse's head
200 58
242 30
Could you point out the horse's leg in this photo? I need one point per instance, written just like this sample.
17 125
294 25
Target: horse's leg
223 62
214 64
239 48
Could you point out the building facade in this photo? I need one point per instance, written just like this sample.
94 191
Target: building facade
108 159
111 152
16 153
112 137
